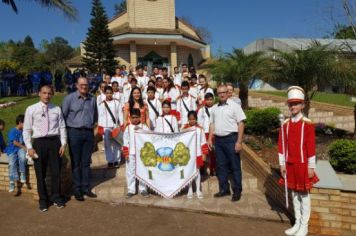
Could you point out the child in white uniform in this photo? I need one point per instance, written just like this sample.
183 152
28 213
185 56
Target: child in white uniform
154 106
202 151
166 123
129 153
185 103
110 119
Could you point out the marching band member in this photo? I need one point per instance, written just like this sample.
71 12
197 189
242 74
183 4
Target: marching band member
202 151
109 118
296 152
142 80
171 94
119 77
167 123
154 106
130 152
194 89
204 88
185 103
177 77
100 93
204 121
128 87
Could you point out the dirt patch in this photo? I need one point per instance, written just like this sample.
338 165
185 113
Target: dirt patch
19 216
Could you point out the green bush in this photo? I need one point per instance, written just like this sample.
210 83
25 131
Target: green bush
261 121
342 154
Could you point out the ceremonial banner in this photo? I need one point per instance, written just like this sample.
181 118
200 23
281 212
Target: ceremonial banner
166 163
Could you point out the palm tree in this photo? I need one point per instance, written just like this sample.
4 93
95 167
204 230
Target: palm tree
63 5
241 68
312 69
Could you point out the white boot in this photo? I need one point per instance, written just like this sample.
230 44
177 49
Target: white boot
190 191
297 214
306 209
197 183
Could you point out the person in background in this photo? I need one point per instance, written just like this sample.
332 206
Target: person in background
101 93
194 89
16 153
107 79
142 80
58 81
2 141
203 88
81 114
128 87
177 77
231 95
129 152
170 94
123 70
44 124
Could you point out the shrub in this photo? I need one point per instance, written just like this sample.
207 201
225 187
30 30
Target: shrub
261 121
342 154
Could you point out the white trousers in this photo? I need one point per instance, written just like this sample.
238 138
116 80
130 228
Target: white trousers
130 176
112 148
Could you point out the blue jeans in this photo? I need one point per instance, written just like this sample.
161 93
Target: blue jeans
228 162
17 162
81 145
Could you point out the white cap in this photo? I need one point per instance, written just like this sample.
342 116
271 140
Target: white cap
295 94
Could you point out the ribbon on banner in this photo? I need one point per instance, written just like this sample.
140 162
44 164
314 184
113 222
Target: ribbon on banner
166 163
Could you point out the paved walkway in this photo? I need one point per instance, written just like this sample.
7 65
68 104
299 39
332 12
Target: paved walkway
110 186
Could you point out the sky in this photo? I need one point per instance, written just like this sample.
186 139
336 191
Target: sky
232 23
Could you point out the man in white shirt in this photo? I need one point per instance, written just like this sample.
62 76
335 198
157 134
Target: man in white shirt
142 80
227 126
44 124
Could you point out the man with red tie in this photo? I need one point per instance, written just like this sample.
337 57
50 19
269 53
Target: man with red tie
44 124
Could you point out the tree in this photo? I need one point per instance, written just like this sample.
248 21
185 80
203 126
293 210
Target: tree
345 32
314 68
63 5
24 53
238 67
202 31
120 7
58 50
99 50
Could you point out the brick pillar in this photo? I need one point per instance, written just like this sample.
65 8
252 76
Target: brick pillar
133 54
173 56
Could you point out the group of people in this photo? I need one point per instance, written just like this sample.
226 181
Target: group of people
160 103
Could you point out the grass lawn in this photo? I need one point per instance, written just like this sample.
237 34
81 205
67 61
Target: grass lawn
9 114
331 98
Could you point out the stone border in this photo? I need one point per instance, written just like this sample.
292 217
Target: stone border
333 210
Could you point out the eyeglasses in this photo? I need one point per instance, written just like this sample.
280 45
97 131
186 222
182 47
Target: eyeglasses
83 85
223 92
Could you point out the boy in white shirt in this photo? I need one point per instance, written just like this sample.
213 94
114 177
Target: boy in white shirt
142 80
101 94
185 103
128 87
166 123
204 88
204 121
177 77
129 152
109 118
154 106
194 89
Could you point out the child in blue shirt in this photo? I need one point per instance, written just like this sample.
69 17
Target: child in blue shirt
2 141
16 152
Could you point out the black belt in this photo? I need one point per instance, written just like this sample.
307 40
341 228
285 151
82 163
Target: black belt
81 129
48 137
226 136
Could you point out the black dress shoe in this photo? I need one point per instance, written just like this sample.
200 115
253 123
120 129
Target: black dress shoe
116 164
110 165
222 194
79 197
236 197
90 194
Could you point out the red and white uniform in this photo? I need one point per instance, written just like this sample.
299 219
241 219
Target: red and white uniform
202 146
190 103
162 125
129 152
126 92
194 91
112 148
177 79
172 96
100 98
298 153
202 92
142 81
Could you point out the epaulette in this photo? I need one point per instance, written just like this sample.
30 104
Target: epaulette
286 121
307 120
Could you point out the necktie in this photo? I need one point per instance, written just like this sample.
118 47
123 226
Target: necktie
45 121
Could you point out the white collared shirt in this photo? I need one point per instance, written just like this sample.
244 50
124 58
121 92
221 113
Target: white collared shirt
120 80
203 91
152 114
163 127
204 118
142 81
296 118
191 104
105 119
34 119
129 136
225 118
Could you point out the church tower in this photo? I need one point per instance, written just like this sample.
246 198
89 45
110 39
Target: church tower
151 14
